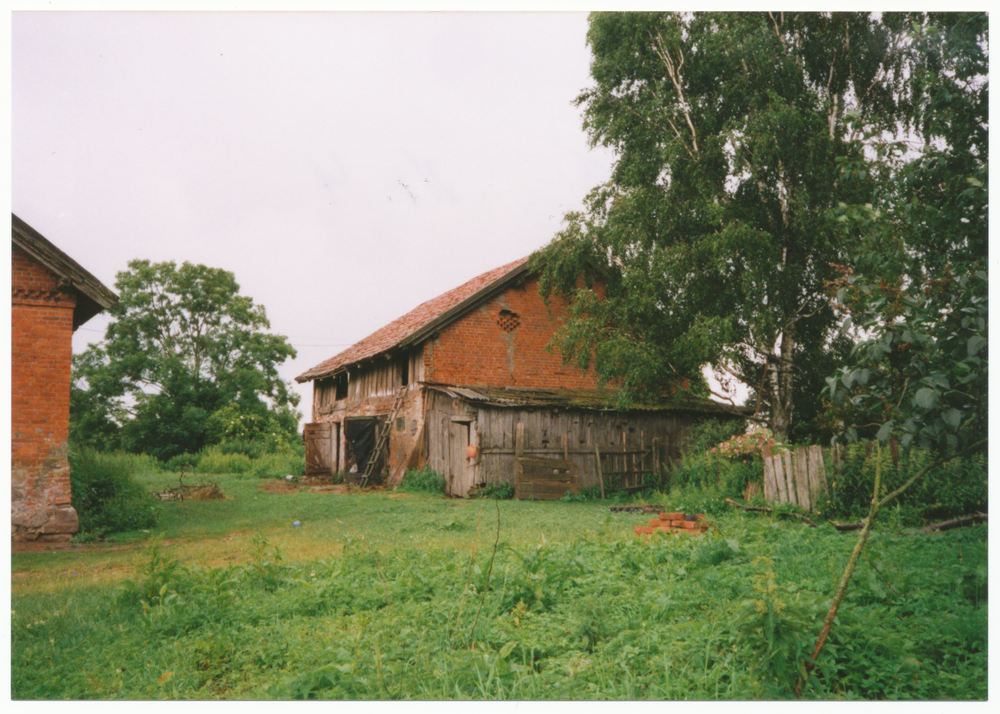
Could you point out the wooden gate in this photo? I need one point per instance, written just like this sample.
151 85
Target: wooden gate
545 479
626 468
540 478
797 476
320 456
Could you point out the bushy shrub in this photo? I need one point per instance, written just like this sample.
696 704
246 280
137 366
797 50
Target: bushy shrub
214 461
145 463
957 488
251 448
705 467
106 496
182 463
426 480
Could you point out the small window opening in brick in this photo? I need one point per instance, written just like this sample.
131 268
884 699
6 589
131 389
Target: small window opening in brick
508 321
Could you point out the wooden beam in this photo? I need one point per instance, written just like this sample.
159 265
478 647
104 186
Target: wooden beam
600 474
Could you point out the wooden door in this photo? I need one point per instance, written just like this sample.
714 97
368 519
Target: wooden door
319 448
460 477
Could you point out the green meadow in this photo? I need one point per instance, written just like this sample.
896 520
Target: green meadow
385 595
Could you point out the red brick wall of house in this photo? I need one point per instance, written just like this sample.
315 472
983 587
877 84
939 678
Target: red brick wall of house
476 350
41 350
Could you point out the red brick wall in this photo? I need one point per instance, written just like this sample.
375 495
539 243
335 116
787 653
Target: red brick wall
41 349
475 350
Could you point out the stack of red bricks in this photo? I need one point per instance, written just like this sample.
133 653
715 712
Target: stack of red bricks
692 524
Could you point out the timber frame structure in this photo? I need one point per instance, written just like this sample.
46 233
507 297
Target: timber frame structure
476 395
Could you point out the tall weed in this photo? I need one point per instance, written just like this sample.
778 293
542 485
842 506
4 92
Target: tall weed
424 481
958 488
213 460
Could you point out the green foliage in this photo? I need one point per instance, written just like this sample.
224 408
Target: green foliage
424 481
923 373
724 616
254 434
501 491
182 463
106 496
957 488
242 456
715 236
778 629
186 362
705 468
213 460
916 290
279 464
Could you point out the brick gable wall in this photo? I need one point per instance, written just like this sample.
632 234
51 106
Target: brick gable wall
503 342
41 350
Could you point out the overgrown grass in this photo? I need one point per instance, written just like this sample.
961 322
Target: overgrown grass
243 456
106 494
385 595
423 481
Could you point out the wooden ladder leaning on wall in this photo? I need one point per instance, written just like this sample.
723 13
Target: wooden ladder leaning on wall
383 435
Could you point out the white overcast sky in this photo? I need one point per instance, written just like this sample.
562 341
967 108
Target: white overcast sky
344 166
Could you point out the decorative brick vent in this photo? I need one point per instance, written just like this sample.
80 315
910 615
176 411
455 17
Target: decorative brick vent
692 524
508 321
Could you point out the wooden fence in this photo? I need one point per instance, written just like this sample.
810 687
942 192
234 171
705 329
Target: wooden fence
797 476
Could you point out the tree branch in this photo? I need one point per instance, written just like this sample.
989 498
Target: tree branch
777 30
674 73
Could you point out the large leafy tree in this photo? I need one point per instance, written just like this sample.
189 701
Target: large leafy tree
916 287
716 236
184 355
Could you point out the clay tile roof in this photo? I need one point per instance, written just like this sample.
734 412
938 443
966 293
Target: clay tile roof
420 321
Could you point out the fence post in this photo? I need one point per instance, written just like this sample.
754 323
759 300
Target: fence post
817 475
801 478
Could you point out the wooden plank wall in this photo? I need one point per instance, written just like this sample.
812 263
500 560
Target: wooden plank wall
440 452
378 378
797 476
573 436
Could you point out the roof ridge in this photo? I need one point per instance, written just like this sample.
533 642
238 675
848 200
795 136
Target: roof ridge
391 335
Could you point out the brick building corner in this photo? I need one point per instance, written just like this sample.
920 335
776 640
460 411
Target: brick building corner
51 296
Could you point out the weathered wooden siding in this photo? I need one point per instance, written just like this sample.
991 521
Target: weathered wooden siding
449 427
453 423
380 378
573 434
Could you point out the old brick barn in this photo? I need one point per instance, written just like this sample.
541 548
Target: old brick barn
464 384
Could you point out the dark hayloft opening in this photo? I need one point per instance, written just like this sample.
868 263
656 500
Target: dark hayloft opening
508 321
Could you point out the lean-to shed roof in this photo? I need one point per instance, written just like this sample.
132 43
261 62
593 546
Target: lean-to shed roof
533 397
423 320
